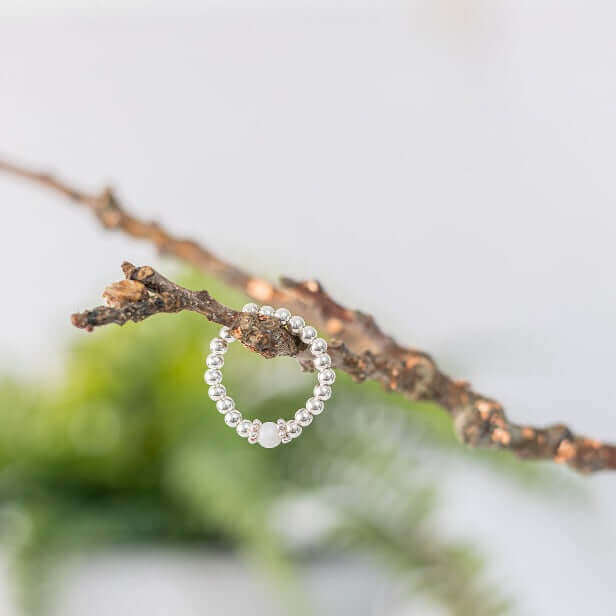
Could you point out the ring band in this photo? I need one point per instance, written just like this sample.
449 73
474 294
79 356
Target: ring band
270 434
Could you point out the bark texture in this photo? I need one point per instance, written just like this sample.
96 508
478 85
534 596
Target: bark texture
357 345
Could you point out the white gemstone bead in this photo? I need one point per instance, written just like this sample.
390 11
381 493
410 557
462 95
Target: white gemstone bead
303 417
327 377
322 362
226 335
251 308
267 311
318 346
212 377
216 392
293 428
233 418
215 361
283 315
225 405
218 346
308 334
315 406
269 436
322 392
296 323
244 428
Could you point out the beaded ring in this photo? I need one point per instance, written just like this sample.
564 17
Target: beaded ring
270 434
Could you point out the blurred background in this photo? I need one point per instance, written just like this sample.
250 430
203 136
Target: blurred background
446 166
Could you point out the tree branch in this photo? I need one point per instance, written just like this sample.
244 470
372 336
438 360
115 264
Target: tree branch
145 293
359 347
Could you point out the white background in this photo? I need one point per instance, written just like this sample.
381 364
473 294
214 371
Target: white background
447 166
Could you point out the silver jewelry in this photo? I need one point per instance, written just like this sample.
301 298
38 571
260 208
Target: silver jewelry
270 434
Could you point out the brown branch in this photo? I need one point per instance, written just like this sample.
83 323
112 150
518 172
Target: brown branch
359 347
145 293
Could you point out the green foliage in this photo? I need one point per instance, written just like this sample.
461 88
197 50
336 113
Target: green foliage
127 447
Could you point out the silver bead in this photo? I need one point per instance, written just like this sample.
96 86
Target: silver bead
218 346
318 346
293 428
216 392
327 377
303 417
282 427
315 406
233 418
281 424
308 334
244 428
225 405
254 431
267 311
212 377
322 362
226 335
283 315
215 361
296 323
251 308
322 392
